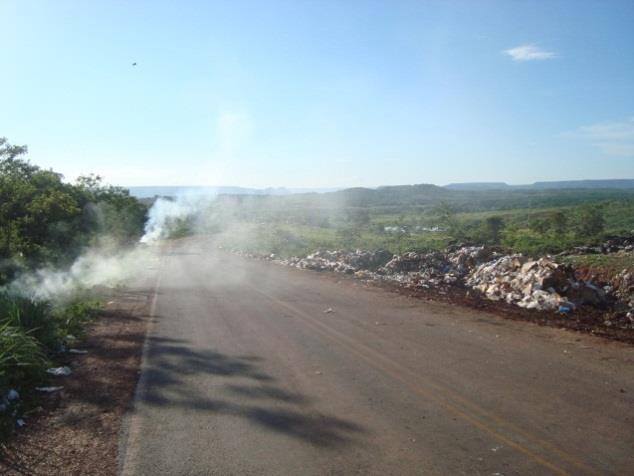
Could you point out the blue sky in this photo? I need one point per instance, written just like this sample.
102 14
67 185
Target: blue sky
321 93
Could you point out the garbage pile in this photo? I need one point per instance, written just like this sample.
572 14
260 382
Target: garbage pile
533 284
434 269
540 284
340 261
611 245
418 270
622 287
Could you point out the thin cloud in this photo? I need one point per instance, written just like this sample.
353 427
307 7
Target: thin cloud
612 138
529 53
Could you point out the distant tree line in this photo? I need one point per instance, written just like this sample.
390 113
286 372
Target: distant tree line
543 232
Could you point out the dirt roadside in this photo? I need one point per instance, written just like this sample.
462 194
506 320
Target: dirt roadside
76 431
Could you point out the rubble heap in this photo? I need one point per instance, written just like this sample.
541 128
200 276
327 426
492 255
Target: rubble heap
622 287
537 284
532 284
433 269
340 261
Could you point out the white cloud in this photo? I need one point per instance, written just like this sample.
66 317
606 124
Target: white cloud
529 53
612 138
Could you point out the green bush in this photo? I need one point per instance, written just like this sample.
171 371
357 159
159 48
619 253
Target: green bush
71 317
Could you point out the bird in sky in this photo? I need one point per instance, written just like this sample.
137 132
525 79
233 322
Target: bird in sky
134 64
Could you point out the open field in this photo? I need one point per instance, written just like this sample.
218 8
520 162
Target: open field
420 218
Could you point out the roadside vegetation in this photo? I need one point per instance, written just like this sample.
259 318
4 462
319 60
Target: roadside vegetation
47 222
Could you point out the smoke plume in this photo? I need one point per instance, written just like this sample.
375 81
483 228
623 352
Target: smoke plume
96 267
167 215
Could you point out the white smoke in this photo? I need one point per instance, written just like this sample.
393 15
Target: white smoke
106 264
97 267
165 215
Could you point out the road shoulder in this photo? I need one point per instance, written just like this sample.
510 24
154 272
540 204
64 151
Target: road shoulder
77 430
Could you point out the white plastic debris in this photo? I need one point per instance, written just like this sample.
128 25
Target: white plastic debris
540 284
77 351
12 395
329 311
20 422
48 389
60 371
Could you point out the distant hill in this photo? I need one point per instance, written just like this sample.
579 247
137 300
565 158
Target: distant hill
174 191
556 185
389 195
616 183
478 186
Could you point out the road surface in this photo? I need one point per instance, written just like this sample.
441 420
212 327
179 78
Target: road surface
245 372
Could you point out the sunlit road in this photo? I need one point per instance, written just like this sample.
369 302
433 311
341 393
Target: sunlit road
245 373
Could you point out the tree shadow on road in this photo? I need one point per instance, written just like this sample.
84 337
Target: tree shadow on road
178 376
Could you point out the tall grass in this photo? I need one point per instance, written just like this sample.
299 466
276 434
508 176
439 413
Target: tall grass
32 316
31 332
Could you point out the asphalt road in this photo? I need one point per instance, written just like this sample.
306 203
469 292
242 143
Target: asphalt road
245 373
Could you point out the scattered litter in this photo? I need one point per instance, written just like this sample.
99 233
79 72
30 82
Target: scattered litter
20 422
564 309
317 372
60 371
77 351
496 448
329 311
48 389
12 395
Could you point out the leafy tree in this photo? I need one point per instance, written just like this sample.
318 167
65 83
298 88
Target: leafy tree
493 227
591 221
559 223
447 217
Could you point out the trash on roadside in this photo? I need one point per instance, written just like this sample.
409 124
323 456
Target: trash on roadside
534 284
59 371
329 311
49 389
564 309
77 351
